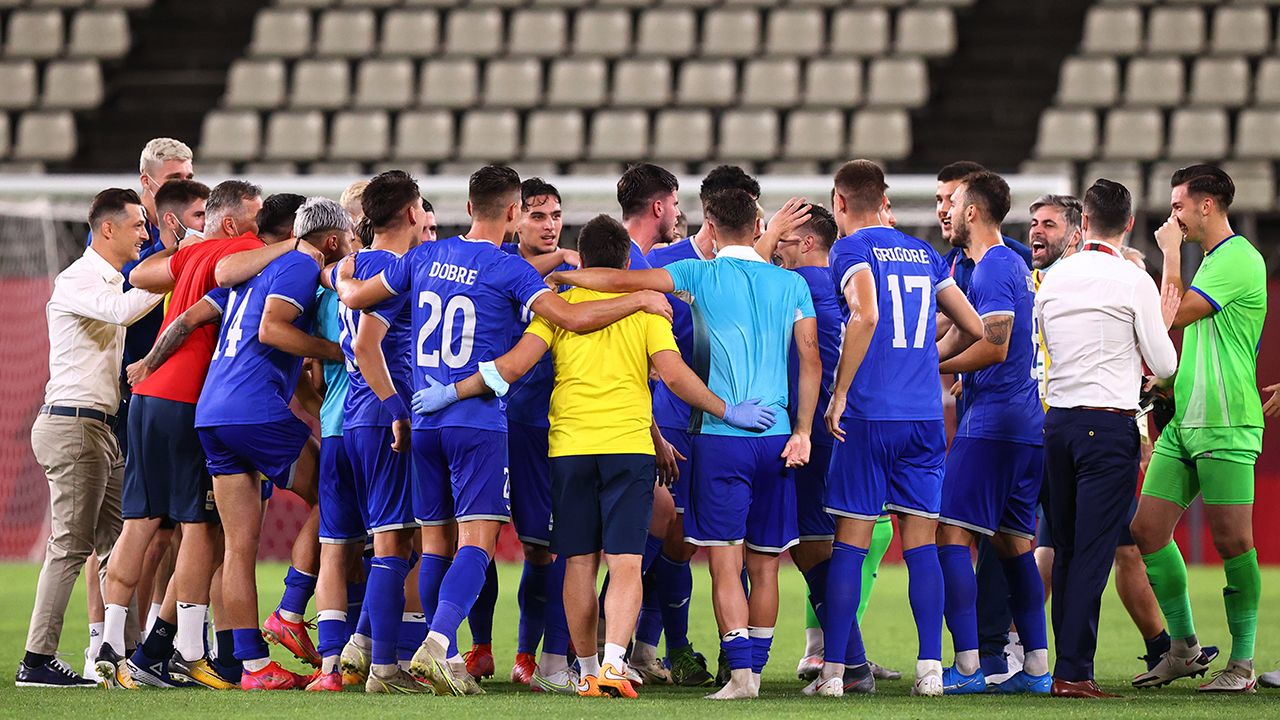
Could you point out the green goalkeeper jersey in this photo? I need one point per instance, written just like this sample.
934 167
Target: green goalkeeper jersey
1216 384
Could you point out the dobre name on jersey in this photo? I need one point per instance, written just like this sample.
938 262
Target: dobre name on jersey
456 273
901 254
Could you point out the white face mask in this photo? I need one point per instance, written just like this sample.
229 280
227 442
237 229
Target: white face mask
187 232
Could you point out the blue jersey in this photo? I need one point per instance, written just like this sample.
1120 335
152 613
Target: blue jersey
1002 401
898 378
669 410
529 399
830 331
250 382
744 309
335 373
363 408
961 266
468 299
637 258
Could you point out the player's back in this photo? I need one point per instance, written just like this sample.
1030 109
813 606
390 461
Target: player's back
362 407
830 331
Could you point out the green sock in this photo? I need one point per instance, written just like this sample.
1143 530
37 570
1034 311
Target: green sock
810 617
881 536
1241 596
1168 575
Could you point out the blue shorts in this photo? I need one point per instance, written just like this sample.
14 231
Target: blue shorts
383 476
164 469
887 465
992 486
341 497
1044 538
682 441
604 502
530 482
742 491
813 520
267 448
461 475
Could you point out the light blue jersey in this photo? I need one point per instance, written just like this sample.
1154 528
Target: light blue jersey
335 373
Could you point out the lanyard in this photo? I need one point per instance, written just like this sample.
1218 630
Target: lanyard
1101 247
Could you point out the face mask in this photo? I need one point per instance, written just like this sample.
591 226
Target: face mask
187 232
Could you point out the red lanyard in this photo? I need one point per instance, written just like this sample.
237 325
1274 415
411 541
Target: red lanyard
1101 247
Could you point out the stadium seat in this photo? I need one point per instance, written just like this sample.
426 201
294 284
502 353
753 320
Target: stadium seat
346 33
34 34
99 34
1220 82
730 32
1153 82
833 82
281 33
1088 82
792 167
538 33
748 135
1133 134
682 135
513 83
771 83
618 135
553 135
321 84
295 136
489 135
1241 30
898 82
272 168
1256 133
814 135
1127 173
17 84
255 84
1053 168
641 83
233 135
423 135
363 135
928 32
863 32
1175 31
1198 133
794 32
1112 31
1266 82
578 82
72 85
449 84
1158 190
666 32
413 33
1066 134
473 32
1255 185
384 83
706 83
47 136
880 134
602 32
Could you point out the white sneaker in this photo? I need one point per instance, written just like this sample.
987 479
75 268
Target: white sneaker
831 687
1270 679
928 678
634 676
1172 667
810 667
1237 677
563 682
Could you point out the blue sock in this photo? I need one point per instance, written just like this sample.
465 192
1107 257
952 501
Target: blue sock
480 619
961 596
738 651
532 599
363 625
413 630
649 623
924 590
1026 600
250 645
298 589
652 549
844 589
355 605
332 635
816 579
458 591
555 639
385 600
674 583
430 573
760 651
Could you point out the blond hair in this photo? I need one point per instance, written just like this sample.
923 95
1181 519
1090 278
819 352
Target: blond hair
351 198
160 150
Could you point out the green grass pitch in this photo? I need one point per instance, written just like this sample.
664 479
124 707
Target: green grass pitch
888 629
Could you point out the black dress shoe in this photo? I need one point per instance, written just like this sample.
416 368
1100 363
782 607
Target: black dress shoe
53 674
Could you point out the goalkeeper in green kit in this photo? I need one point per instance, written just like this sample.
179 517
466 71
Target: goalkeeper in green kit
1215 437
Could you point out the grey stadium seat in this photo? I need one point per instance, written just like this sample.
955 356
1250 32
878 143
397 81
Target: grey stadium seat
99 34
1255 185
17 84
1154 82
363 135
413 33
1220 82
860 31
1175 31
323 84
34 34
1266 82
473 32
538 33
1241 30
730 32
618 135
1112 31
771 83
384 83
707 83
1158 190
898 82
234 135
449 83
880 134
515 83
554 135
1198 133
294 136
578 82
423 135
346 33
255 84
748 135
641 83
1133 134
604 32
72 84
281 33
1088 82
666 32
489 135
1125 172
794 32
1256 133
1067 134
929 32
682 135
45 136
833 82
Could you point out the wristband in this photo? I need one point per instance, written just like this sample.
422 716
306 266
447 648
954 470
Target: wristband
396 407
492 378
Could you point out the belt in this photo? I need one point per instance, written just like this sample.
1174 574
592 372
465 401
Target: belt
1117 411
68 411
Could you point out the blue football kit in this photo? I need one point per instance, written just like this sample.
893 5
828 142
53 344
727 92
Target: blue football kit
814 522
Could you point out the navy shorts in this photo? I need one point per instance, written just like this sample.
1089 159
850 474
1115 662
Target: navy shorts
1044 538
461 474
813 520
530 482
342 505
887 465
383 476
992 486
270 449
164 471
604 502
742 491
682 441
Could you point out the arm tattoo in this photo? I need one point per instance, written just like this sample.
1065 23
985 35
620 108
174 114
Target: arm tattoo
996 329
168 343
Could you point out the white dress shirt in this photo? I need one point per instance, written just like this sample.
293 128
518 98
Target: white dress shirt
87 316
1100 315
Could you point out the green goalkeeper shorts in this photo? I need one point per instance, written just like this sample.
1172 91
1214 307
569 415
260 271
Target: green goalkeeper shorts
1215 462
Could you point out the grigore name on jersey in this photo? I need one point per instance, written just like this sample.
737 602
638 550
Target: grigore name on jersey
901 254
449 271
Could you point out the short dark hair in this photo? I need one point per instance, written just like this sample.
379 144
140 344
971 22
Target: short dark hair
861 184
228 195
989 192
641 184
277 214
823 226
110 203
536 187
728 177
733 211
177 195
386 195
1206 180
958 170
1109 206
604 242
491 188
